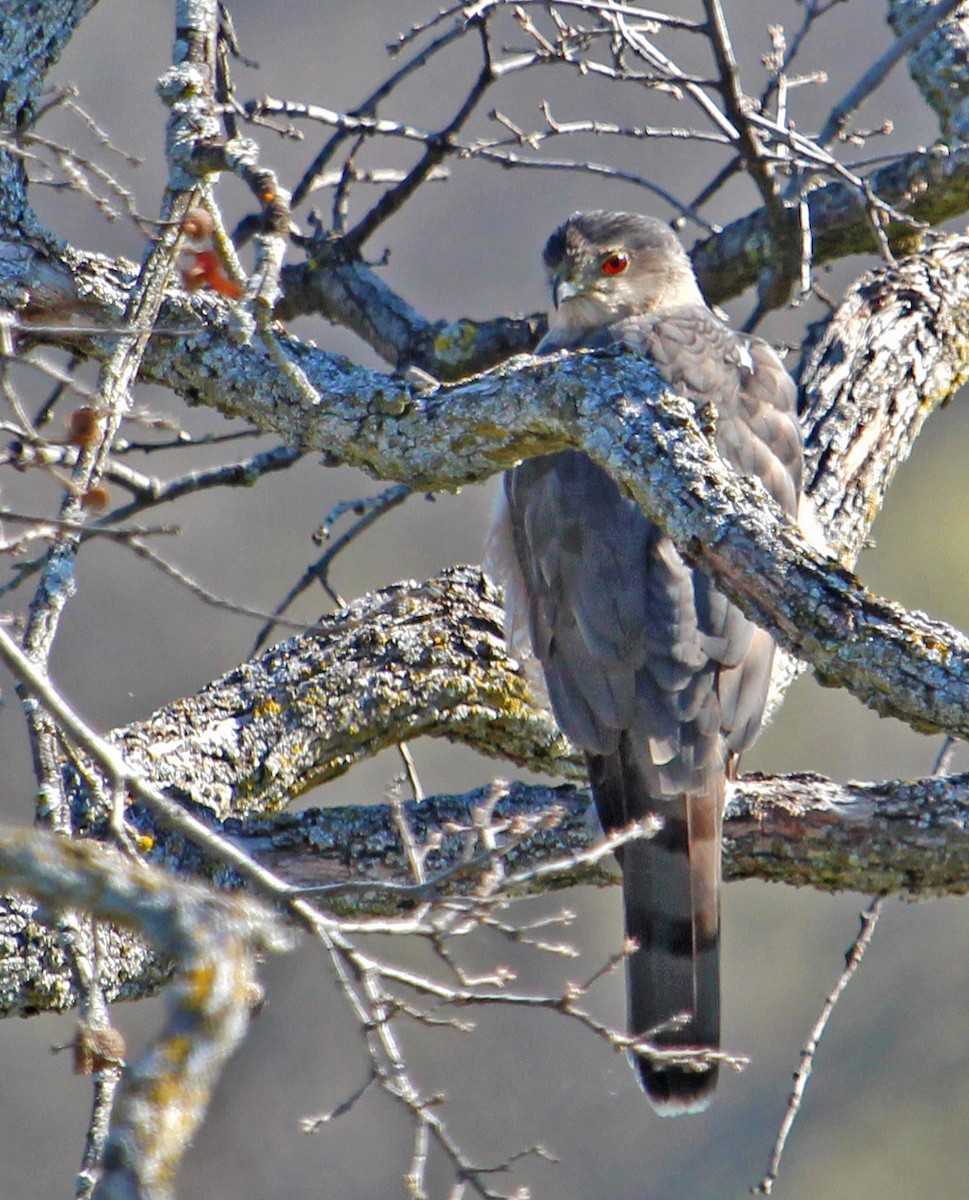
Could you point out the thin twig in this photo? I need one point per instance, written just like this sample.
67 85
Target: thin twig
99 1049
856 952
934 15
368 511
204 594
944 759
436 151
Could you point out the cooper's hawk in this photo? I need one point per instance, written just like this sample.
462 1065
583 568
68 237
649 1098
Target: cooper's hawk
649 668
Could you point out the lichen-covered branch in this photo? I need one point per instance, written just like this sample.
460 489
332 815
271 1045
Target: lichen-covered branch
409 660
352 294
37 974
212 940
910 837
32 38
446 437
938 62
893 353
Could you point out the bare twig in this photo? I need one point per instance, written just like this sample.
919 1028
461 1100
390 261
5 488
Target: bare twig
311 177
944 758
875 75
856 952
435 152
203 593
150 491
99 1049
368 511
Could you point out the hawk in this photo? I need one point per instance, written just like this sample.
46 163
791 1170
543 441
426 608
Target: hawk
649 668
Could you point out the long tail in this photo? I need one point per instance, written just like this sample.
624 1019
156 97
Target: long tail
671 897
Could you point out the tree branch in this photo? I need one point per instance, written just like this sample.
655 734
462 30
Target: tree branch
415 659
910 837
938 60
214 940
896 352
930 186
915 29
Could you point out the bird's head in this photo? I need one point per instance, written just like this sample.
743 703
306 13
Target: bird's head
605 266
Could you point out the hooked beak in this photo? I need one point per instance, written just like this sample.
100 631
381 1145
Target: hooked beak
562 290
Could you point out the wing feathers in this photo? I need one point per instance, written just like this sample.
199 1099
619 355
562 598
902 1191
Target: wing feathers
652 670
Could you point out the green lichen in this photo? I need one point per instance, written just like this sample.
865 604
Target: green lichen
454 341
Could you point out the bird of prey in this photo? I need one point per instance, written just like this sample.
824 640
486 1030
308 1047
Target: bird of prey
649 668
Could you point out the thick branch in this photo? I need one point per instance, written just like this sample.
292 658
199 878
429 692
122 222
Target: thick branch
214 941
802 829
352 294
32 38
879 837
892 354
411 660
907 329
927 185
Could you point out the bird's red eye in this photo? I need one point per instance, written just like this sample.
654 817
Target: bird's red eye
615 264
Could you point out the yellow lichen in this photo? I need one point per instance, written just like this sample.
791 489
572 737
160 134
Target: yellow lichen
177 1049
454 340
199 982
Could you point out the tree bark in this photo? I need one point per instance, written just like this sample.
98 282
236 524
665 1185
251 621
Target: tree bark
892 353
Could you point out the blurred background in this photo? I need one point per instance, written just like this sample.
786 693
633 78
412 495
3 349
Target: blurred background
889 1101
